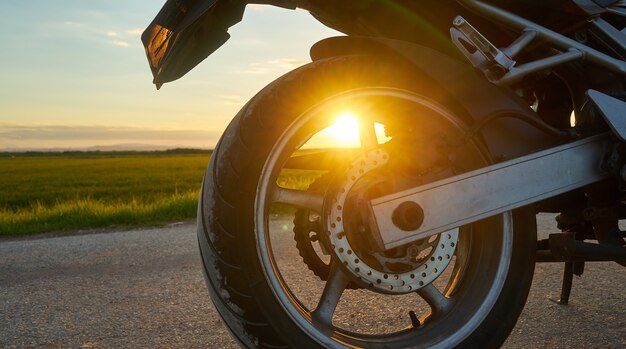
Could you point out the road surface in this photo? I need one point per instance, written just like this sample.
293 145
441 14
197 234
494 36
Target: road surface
144 289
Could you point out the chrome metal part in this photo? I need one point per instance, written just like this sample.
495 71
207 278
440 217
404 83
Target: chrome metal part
336 284
610 36
564 248
618 11
518 45
299 198
515 74
495 189
480 52
422 273
439 303
612 109
562 42
498 65
566 284
591 7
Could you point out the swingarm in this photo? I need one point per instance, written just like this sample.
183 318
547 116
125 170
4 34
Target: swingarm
430 209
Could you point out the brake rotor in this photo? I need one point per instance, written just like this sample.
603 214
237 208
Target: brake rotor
307 228
395 272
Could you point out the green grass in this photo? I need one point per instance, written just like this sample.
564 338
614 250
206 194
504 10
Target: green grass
86 213
48 181
297 179
42 194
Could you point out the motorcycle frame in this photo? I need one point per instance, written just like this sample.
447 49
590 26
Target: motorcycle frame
573 49
529 31
504 138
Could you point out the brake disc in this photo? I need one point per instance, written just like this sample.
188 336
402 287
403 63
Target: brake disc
307 230
414 267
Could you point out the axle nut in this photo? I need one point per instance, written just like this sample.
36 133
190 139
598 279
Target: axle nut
408 216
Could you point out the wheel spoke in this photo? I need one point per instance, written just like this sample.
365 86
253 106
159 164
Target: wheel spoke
336 284
300 198
439 303
367 133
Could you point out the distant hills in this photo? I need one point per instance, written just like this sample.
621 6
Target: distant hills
107 150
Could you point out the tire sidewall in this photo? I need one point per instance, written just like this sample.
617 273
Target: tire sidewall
296 83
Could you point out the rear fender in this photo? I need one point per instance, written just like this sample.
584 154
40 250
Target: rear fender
505 138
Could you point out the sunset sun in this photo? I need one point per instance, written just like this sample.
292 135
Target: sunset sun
345 130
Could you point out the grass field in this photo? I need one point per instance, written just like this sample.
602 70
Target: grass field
41 194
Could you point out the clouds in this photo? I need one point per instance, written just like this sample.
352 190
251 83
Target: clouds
55 134
120 43
135 31
74 24
124 38
232 99
287 63
121 37
273 66
85 65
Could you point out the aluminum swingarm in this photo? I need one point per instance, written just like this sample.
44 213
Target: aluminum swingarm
430 209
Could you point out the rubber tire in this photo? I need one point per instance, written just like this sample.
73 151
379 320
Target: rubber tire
233 273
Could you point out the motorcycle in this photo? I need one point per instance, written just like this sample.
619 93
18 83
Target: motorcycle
473 116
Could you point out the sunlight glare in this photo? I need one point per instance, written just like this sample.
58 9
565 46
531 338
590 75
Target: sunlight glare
343 133
345 130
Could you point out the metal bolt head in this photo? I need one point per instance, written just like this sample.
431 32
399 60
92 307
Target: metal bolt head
408 216
581 36
412 251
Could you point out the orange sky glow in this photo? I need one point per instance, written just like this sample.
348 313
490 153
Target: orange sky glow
75 75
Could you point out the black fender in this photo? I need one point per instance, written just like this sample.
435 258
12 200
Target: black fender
505 138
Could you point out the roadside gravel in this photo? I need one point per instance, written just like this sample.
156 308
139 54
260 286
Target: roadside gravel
144 289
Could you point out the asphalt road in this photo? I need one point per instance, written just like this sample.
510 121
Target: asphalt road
144 289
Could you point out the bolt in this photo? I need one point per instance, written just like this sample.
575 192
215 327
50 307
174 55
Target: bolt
413 251
408 216
581 36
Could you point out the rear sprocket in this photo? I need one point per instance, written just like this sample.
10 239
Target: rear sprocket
307 228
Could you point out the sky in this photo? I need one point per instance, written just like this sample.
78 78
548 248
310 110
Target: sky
74 74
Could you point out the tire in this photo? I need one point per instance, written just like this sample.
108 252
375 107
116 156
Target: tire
494 261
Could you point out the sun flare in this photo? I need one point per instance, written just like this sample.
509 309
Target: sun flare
345 130
344 133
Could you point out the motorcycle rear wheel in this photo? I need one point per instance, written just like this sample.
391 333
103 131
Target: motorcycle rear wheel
477 306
